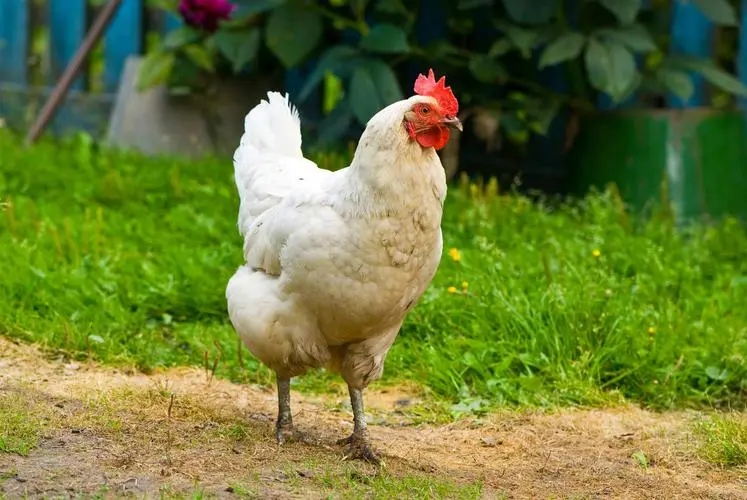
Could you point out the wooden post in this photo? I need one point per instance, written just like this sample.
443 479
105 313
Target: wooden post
71 71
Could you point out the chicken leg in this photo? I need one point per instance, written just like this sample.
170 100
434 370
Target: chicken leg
284 430
284 425
358 443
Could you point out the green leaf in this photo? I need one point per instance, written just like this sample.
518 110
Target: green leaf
385 81
719 11
523 39
611 68
717 374
334 125
634 36
239 47
542 117
500 47
246 8
386 38
441 49
200 56
358 7
486 69
566 46
364 97
712 73
625 11
155 69
373 86
677 82
333 92
392 7
184 75
338 60
531 12
180 37
514 128
292 33
461 25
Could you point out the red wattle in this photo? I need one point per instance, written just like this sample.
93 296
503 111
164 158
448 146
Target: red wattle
435 137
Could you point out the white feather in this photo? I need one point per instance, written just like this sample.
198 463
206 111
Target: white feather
269 164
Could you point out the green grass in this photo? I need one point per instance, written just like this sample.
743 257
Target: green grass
352 484
723 440
126 258
20 425
349 481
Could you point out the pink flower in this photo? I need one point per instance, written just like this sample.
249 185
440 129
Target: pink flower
205 14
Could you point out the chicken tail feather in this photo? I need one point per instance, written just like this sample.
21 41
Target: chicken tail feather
272 126
268 163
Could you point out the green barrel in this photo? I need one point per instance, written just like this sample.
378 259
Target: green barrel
696 159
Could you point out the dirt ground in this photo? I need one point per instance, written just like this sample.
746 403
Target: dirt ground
103 432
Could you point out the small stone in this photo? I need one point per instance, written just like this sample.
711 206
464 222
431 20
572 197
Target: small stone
489 441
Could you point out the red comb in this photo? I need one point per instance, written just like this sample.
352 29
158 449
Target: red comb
438 90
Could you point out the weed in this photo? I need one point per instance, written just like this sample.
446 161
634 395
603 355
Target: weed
723 439
641 459
242 491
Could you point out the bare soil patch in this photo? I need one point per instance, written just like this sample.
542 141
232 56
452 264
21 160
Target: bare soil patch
99 431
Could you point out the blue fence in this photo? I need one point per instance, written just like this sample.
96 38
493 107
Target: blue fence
38 40
30 64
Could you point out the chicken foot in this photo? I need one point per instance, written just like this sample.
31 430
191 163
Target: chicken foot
358 443
284 430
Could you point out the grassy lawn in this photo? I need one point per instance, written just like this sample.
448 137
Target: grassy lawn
125 259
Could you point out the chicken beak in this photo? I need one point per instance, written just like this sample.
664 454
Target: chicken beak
453 122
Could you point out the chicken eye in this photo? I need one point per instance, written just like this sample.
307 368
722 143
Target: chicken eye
425 110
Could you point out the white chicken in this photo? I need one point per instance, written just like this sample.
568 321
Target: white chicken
335 260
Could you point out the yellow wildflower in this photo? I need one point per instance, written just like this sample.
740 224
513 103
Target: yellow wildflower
596 252
455 254
451 289
651 330
465 285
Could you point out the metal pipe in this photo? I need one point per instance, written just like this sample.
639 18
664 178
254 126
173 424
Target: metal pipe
71 71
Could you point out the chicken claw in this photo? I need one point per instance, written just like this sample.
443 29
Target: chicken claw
359 447
284 433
